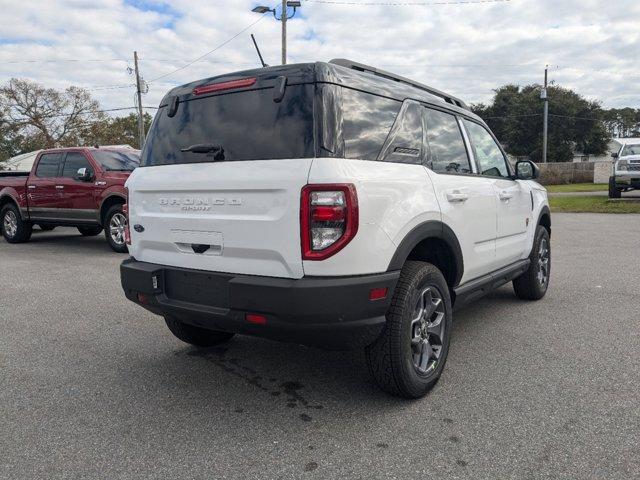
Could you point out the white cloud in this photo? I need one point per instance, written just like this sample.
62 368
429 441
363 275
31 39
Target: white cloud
593 46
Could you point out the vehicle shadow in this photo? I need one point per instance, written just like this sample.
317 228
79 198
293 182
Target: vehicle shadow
70 238
252 374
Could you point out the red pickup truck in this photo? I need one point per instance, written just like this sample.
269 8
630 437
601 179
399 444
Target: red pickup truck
73 187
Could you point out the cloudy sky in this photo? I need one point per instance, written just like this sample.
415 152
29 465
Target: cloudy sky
467 49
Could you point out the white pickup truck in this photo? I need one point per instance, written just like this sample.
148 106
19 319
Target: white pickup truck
626 168
330 204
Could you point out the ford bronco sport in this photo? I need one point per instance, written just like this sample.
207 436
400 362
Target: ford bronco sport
329 204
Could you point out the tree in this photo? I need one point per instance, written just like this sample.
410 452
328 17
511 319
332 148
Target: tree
116 131
575 124
45 117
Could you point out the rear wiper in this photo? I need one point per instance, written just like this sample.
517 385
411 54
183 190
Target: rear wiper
203 148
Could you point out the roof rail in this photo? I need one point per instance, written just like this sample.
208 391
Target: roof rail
397 78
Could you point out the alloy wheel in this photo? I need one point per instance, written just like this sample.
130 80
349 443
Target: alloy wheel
427 330
10 223
542 274
116 228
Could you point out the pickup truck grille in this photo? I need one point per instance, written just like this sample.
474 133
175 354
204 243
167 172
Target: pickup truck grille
635 168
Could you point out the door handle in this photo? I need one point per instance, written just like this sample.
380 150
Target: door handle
31 187
505 196
60 187
456 196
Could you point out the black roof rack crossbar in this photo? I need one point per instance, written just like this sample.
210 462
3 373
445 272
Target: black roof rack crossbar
392 76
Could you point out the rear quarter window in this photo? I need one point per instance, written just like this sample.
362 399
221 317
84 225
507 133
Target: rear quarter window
366 122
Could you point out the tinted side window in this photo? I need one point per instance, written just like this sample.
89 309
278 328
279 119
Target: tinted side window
73 162
404 144
48 165
367 120
447 153
488 155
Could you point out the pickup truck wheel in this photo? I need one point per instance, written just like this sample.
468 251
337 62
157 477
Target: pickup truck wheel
200 337
89 231
46 228
14 229
115 223
614 192
408 357
533 284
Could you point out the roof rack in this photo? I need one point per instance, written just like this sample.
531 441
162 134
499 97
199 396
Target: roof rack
397 78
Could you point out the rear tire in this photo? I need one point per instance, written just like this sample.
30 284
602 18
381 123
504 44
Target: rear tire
46 228
114 225
614 192
533 284
200 337
14 229
408 357
89 231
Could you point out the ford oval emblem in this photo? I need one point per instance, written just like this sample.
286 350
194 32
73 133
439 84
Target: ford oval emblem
138 228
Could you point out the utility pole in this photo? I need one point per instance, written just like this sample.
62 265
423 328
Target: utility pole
284 32
139 94
545 127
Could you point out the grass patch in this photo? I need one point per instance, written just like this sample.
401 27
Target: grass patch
578 187
592 205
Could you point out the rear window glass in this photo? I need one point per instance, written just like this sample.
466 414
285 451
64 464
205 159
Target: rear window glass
117 160
246 125
48 165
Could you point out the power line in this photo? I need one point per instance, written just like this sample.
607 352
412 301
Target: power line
401 4
210 51
62 115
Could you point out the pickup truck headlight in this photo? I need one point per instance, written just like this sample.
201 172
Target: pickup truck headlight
623 166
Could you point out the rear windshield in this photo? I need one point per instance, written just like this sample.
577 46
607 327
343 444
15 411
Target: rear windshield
247 125
117 160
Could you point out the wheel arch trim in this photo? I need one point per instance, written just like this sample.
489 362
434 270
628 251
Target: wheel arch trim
102 211
425 231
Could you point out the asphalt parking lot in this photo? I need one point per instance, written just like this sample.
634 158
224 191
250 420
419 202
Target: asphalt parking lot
94 387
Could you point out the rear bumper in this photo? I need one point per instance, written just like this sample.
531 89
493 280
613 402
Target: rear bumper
329 312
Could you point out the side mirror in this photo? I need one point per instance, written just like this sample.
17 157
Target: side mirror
614 155
84 174
526 170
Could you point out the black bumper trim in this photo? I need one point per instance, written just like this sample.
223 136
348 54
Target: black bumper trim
330 312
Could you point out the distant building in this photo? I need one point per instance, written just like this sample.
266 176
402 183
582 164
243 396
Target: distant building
612 147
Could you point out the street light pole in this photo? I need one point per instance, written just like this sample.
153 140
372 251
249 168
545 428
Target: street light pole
284 16
284 32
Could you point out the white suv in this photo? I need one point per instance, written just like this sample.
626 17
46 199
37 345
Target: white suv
329 204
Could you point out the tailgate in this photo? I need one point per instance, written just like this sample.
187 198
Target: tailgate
235 217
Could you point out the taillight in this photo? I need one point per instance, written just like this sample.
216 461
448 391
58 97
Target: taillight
328 219
125 212
219 87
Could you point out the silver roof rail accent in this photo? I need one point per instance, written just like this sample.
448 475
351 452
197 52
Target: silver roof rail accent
397 78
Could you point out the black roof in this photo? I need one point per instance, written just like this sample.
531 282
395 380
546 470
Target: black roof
340 72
